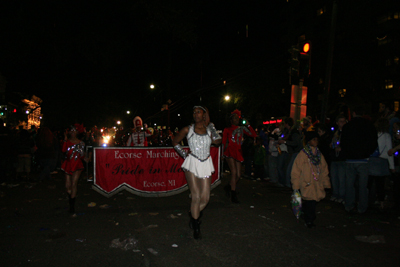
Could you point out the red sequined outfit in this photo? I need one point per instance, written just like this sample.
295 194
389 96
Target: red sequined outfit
234 136
73 158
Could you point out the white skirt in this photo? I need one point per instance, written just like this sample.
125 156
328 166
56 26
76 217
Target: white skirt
200 169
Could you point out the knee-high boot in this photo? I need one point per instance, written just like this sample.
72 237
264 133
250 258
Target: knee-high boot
196 229
191 218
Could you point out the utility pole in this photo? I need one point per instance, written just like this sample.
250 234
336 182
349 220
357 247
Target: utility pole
328 74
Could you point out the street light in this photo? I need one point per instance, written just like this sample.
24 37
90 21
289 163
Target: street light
118 122
128 112
227 98
152 86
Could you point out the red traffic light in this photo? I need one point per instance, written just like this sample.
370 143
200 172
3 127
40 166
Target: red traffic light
15 110
306 48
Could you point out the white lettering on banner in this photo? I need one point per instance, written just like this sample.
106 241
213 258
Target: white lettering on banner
171 182
153 184
164 154
127 155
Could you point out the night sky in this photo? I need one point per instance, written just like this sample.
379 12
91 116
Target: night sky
92 61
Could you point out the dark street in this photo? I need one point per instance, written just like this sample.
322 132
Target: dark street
36 230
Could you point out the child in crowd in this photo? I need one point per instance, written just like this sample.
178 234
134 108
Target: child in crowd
259 158
310 176
273 159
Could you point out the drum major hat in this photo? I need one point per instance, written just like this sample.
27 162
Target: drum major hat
137 121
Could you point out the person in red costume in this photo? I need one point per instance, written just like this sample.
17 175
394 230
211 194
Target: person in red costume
74 149
232 141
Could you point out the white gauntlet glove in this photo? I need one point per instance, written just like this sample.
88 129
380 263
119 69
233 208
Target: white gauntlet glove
213 131
180 151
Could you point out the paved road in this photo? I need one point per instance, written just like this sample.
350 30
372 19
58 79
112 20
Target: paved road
36 230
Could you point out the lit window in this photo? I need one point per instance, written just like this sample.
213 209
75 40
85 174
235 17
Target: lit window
388 84
396 60
396 106
396 15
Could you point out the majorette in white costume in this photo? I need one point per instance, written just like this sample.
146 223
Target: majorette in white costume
199 160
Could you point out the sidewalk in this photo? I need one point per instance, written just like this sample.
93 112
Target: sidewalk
36 230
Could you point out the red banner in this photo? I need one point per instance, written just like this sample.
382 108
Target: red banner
149 172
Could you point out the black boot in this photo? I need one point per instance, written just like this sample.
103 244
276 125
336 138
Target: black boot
227 189
192 220
196 228
234 198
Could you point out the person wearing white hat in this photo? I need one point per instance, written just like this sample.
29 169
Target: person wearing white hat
138 137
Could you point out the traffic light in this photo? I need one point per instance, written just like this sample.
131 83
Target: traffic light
305 59
306 48
244 121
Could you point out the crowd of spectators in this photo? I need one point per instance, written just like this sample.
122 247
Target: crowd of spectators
361 152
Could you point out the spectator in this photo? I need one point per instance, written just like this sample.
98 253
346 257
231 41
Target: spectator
260 156
294 143
25 148
380 162
264 133
358 142
248 155
396 176
324 141
338 163
283 155
310 176
307 125
273 159
46 153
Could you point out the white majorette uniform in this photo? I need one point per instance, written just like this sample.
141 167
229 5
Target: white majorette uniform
199 160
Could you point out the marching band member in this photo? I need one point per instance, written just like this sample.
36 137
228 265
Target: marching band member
198 165
232 141
138 137
74 148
